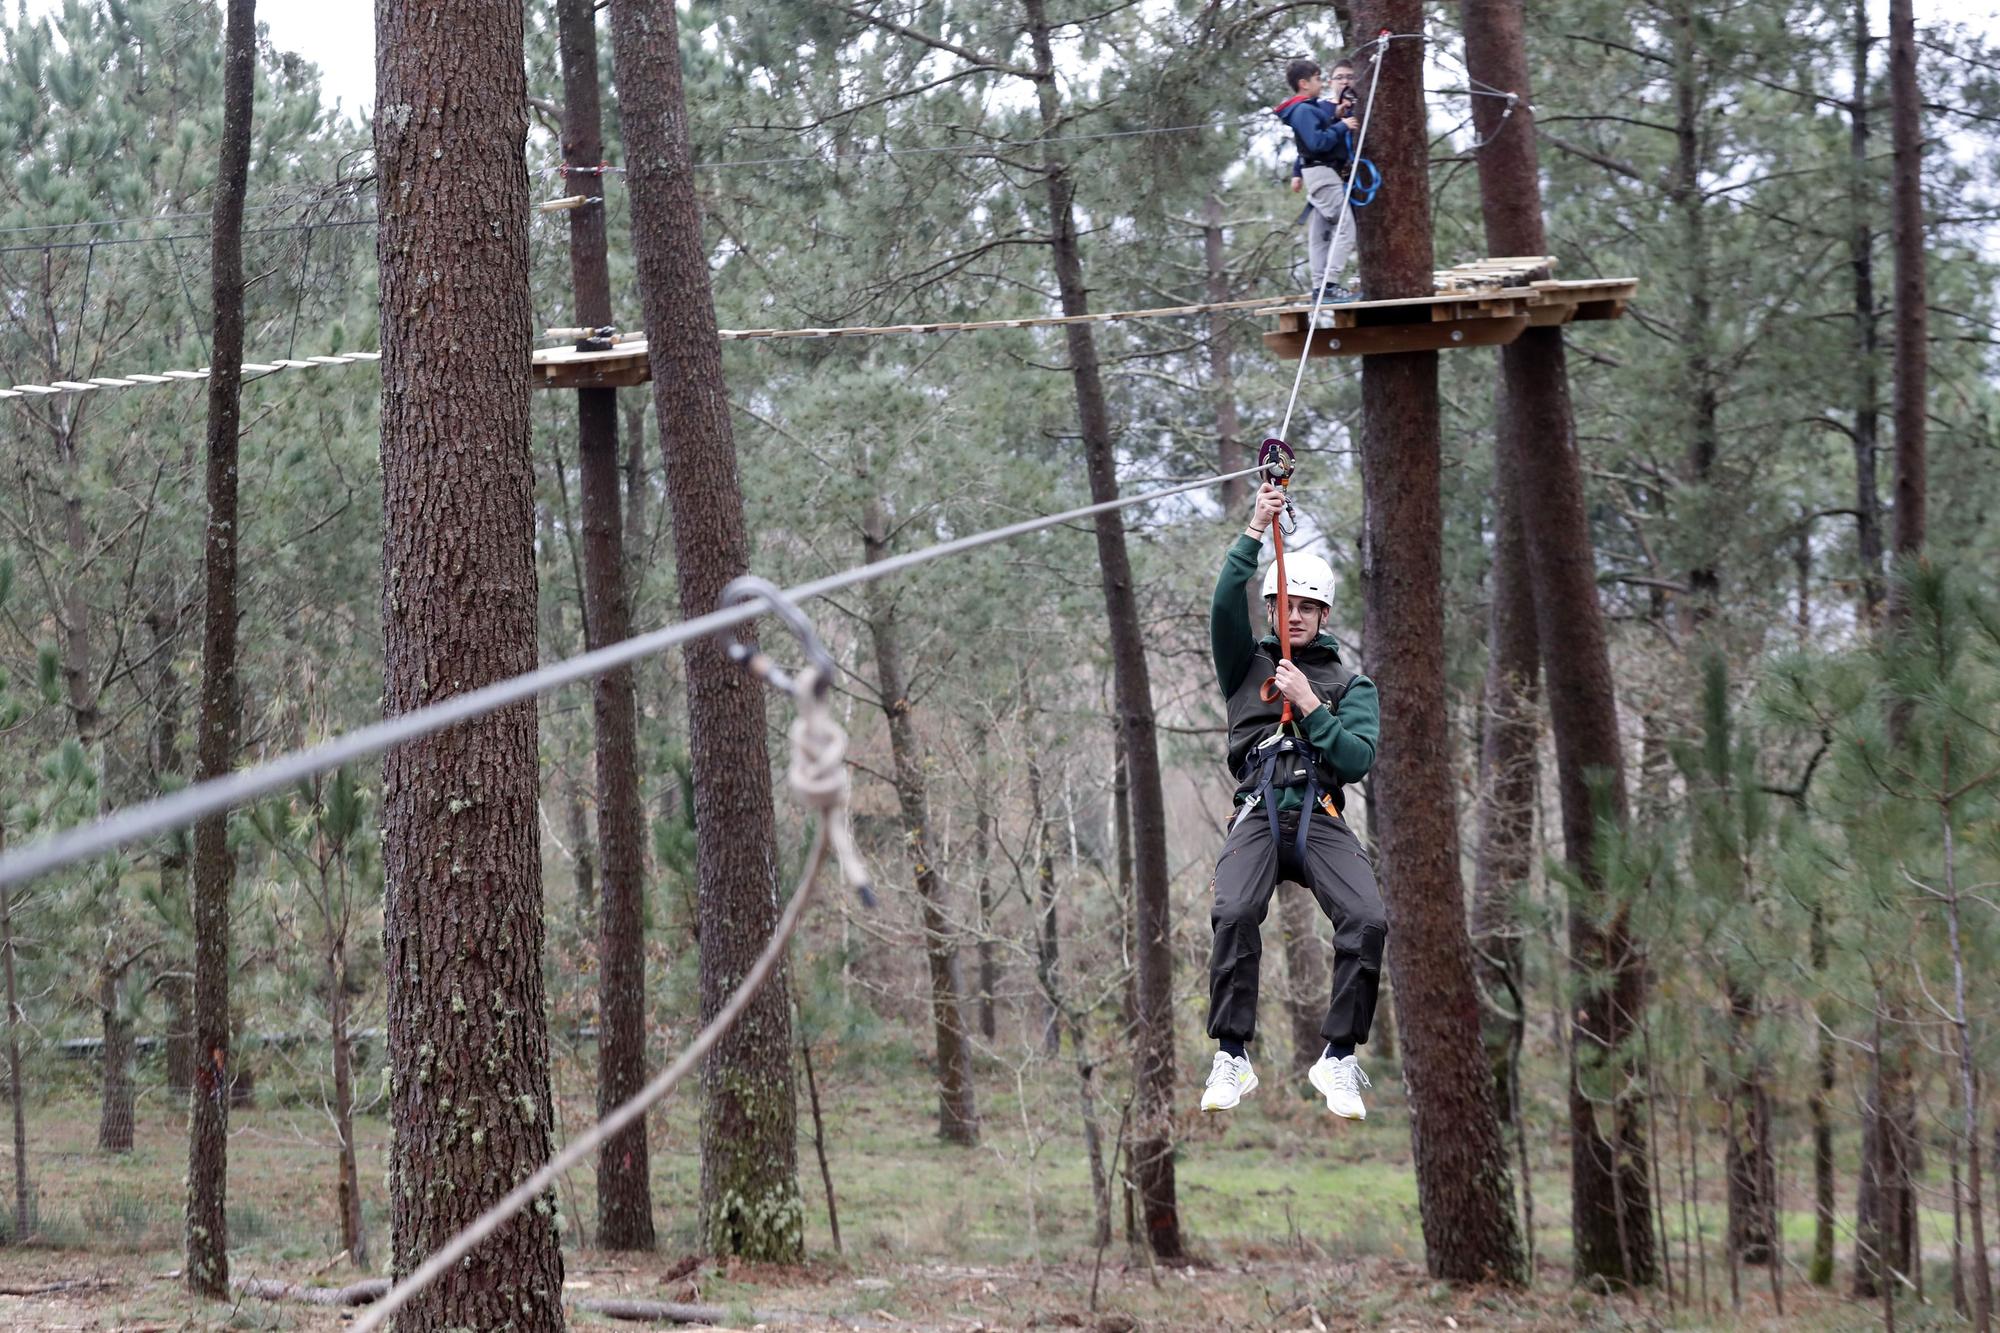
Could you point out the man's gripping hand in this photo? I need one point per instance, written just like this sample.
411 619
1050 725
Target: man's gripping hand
1292 683
1269 504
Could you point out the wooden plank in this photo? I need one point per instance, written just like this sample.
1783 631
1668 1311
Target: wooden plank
1400 338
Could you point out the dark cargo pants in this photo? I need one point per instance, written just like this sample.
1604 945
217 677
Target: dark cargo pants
1340 877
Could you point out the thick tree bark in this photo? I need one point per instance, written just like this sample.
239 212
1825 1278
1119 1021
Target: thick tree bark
1867 393
207 1225
1465 1191
1152 1131
624 1192
1611 1212
462 915
958 1112
1510 779
749 1157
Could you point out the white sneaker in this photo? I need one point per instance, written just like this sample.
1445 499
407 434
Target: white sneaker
1230 1080
1341 1081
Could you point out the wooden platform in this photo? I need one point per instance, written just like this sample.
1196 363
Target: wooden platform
1481 304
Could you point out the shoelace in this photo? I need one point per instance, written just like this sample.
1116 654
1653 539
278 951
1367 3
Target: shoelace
1352 1074
1224 1065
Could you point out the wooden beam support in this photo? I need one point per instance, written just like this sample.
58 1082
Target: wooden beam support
1442 335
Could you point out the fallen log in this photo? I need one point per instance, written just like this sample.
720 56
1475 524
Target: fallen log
365 1292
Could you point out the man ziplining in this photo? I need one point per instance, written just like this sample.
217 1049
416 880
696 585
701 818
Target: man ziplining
1301 727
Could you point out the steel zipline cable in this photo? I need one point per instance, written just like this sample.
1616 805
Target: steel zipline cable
184 807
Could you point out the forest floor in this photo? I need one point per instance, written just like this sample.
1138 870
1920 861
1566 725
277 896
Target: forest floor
1296 1221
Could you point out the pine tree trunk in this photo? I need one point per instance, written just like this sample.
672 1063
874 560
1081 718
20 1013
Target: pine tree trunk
1912 350
1867 395
1510 779
582 854
1820 1273
1153 1129
749 1158
1465 1191
1611 1212
624 1191
462 913
1881 1231
114 1112
347 1195
1699 391
207 1225
179 997
989 947
1048 934
1753 1216
174 983
1968 1078
958 1113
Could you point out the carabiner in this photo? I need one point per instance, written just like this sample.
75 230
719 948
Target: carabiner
752 588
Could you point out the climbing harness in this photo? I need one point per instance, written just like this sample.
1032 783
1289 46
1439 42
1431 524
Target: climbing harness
1284 759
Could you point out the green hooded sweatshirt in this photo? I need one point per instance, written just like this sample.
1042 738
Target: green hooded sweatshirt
1343 736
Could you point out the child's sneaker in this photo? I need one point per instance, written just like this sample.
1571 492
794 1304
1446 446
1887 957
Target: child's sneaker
1230 1080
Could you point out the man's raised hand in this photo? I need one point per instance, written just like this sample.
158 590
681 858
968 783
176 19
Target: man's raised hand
1269 504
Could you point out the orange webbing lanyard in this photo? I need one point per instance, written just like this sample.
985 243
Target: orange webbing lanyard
1277 455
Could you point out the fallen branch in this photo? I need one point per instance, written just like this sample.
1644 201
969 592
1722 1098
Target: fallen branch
45 1288
369 1291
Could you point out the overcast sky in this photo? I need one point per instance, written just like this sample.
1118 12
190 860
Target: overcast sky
339 35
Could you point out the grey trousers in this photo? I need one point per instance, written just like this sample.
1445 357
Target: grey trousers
1329 225
1338 873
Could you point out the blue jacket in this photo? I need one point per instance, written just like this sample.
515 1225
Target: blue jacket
1323 140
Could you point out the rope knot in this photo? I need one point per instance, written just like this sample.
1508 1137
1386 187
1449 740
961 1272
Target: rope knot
819 779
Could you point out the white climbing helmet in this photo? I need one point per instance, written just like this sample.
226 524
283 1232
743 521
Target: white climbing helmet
1306 576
